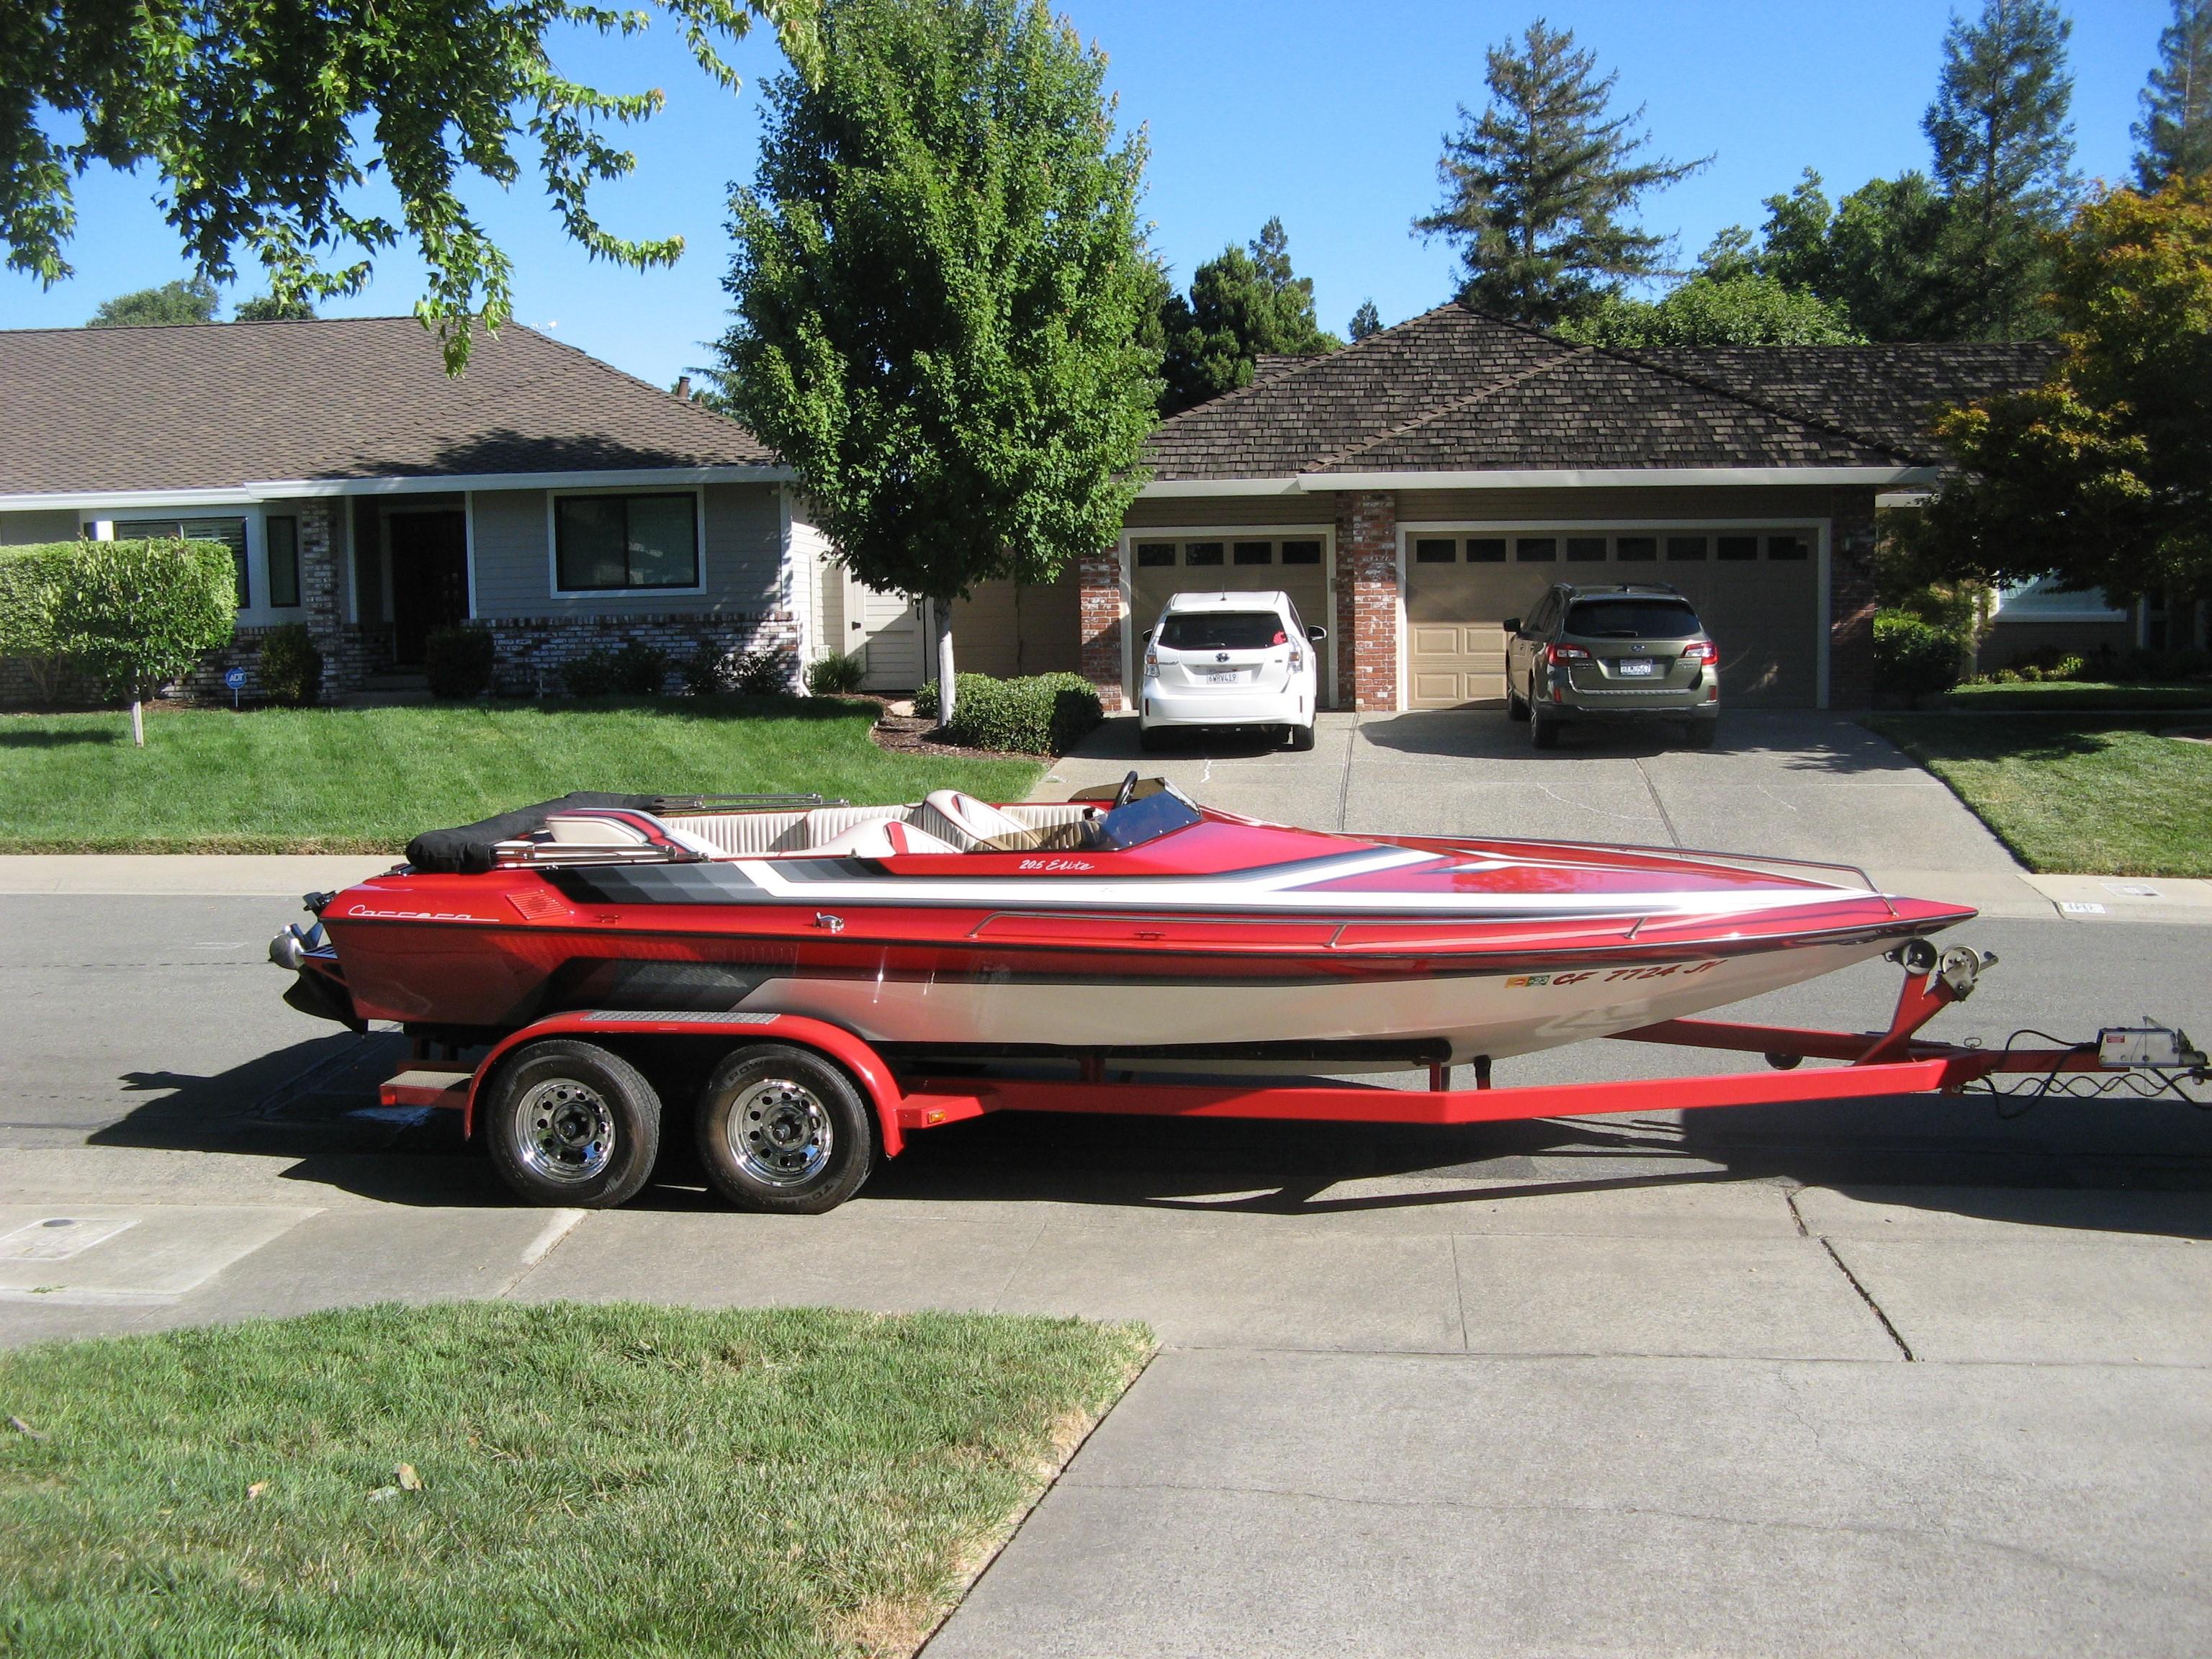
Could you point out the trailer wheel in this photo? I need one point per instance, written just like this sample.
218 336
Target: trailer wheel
782 1129
570 1122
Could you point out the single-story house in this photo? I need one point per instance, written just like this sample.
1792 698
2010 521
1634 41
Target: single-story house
550 497
1410 492
1414 490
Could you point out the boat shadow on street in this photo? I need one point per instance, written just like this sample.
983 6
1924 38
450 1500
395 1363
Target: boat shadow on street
315 1103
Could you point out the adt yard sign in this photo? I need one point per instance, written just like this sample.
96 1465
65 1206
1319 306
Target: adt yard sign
235 679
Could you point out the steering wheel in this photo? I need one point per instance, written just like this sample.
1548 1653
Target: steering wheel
1122 795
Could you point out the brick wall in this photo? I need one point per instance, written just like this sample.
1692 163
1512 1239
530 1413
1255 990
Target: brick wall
1367 600
1851 598
1099 598
533 651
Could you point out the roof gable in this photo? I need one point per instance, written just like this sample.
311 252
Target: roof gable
214 406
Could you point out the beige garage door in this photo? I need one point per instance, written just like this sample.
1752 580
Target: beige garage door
1292 564
1458 590
1754 591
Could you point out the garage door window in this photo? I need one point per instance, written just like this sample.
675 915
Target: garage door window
1256 552
1636 549
1585 549
1685 550
1301 552
1435 552
1536 550
1153 555
1487 551
1728 548
1202 553
1788 547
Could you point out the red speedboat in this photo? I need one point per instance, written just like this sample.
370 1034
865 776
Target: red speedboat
1139 925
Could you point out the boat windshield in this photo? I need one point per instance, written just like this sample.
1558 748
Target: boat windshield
1145 818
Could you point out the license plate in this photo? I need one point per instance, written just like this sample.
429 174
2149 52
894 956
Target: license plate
1229 678
1636 665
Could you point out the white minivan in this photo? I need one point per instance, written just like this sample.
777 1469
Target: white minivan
1229 659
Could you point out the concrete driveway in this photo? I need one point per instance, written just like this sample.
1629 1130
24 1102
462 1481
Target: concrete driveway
1789 785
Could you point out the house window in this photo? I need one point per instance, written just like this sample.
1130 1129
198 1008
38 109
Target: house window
1486 550
231 533
1301 552
1151 555
1427 552
1788 547
1636 549
606 542
1585 549
1256 553
1202 553
1536 550
282 535
1685 550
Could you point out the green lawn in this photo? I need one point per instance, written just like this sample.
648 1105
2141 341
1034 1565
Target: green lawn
2054 694
367 780
593 1480
2098 795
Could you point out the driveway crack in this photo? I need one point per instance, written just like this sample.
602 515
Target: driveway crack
1866 1297
1658 806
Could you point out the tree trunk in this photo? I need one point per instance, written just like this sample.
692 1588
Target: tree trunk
941 611
138 721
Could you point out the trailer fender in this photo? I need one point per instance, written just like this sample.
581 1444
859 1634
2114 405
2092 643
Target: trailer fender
834 1042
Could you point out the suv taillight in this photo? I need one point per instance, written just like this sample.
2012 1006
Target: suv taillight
1151 662
1704 651
1556 654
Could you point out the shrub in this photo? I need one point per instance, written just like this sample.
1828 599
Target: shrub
1912 657
636 670
763 673
460 660
138 614
836 676
291 667
32 582
1044 714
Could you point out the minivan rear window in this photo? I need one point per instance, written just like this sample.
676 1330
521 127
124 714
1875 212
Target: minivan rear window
1222 630
1630 619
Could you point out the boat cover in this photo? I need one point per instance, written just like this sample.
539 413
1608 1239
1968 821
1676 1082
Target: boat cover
467 850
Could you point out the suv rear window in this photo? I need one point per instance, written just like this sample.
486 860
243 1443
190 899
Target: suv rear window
1631 619
1222 630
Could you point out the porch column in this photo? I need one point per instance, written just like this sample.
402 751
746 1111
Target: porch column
321 605
1851 598
1098 594
1367 600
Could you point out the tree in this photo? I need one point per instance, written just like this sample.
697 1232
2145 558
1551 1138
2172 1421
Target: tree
2003 153
2175 134
2097 476
140 613
261 118
1365 321
1245 302
269 308
1746 309
940 285
1539 188
1877 256
166 306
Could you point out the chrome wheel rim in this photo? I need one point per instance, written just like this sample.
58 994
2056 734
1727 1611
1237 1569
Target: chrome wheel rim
567 1131
779 1132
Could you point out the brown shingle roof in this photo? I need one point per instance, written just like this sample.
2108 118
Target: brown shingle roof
220 405
1453 390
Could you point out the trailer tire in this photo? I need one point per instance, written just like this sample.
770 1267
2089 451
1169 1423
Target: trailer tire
569 1122
784 1130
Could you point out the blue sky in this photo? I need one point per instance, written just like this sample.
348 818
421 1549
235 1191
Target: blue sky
1328 115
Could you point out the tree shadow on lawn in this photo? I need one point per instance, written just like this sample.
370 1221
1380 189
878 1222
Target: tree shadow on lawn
1996 738
62 739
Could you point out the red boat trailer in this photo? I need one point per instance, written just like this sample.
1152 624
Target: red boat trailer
2149 1061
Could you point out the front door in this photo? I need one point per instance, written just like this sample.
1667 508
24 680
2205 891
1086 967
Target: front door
429 577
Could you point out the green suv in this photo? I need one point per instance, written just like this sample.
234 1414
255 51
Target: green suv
1632 651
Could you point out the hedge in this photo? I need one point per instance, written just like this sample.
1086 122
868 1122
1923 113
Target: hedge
137 614
33 580
459 660
1912 657
291 667
1043 715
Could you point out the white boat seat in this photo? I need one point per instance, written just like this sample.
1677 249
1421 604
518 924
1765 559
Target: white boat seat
974 826
880 838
